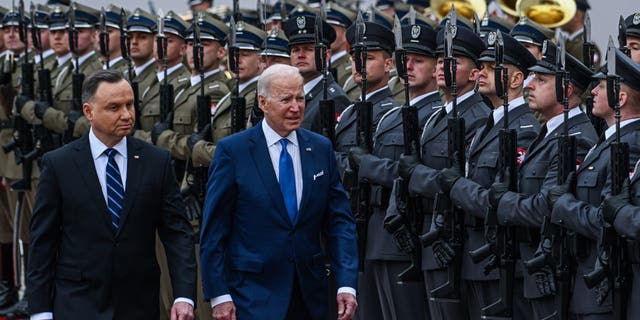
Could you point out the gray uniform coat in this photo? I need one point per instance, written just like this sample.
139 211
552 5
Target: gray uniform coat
312 103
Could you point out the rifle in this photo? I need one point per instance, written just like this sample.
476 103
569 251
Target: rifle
410 216
327 106
104 37
125 49
166 88
238 103
553 236
77 77
445 211
360 190
612 247
588 50
501 249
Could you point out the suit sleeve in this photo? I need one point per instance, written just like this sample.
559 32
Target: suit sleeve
176 234
45 238
341 231
219 207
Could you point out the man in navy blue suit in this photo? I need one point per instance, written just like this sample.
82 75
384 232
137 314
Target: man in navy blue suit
273 193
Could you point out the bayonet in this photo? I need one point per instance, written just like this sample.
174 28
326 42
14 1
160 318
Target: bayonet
587 28
104 37
323 10
262 15
397 33
453 16
197 46
622 37
412 16
477 21
236 10
611 58
284 13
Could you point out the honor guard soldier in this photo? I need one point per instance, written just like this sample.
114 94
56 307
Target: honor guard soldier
460 47
112 25
64 116
468 190
574 30
213 33
248 40
494 23
340 19
539 169
580 211
171 72
531 35
41 15
302 42
141 26
275 48
276 18
632 23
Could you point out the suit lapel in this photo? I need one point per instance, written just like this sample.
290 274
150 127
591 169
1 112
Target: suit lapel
262 162
307 164
134 170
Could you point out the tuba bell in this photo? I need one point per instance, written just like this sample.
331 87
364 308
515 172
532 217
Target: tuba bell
465 8
509 7
549 13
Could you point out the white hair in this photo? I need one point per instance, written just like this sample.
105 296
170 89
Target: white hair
275 72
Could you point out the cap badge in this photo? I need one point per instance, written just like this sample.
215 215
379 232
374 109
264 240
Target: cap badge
544 48
454 31
301 22
491 38
415 31
240 25
636 18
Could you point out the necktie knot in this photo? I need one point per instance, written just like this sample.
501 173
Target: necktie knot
283 143
110 152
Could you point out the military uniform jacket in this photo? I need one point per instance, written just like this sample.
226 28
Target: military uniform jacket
580 213
381 169
185 116
341 69
397 88
203 151
55 118
312 119
435 157
120 65
537 173
179 78
351 89
146 79
6 129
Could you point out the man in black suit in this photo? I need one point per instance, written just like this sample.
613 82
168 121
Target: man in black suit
99 203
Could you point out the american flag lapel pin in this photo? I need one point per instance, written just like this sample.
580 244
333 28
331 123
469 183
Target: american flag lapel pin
308 149
136 157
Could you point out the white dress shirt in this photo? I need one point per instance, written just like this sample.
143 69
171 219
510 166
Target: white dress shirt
556 121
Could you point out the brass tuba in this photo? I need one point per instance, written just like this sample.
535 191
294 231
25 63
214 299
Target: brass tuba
549 13
509 7
465 8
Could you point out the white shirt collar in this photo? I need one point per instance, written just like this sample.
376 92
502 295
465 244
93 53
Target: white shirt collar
82 59
139 70
374 92
420 97
113 61
246 84
556 121
98 147
45 55
337 55
62 60
169 71
4 53
498 113
195 80
449 105
611 130
309 85
272 137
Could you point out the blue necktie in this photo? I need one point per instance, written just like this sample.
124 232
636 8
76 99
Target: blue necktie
288 181
115 189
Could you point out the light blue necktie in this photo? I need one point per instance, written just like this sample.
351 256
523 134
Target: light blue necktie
288 181
115 189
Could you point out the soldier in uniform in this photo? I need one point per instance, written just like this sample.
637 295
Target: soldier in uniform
116 62
276 19
580 212
141 25
177 74
275 48
301 34
41 15
632 23
538 170
340 19
60 117
574 30
470 190
466 48
531 35
248 39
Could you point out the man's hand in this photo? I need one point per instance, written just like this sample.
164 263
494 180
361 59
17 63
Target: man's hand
448 177
158 129
499 188
443 253
224 311
611 205
40 109
355 156
407 164
181 311
557 191
403 239
347 305
545 278
21 100
195 137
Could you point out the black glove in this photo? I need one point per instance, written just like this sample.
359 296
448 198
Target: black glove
195 137
403 239
545 277
557 191
499 188
407 164
443 252
355 156
193 207
40 109
20 102
72 118
158 129
448 177
604 287
5 78
613 204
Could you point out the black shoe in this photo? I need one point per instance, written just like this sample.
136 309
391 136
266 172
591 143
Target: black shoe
7 294
17 310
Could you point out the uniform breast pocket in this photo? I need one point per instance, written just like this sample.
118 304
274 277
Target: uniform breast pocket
183 121
438 149
587 179
390 145
537 170
488 160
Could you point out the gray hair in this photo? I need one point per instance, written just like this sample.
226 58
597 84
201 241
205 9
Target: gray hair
275 72
90 86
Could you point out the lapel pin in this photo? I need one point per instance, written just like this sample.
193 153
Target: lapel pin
308 149
318 175
136 157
